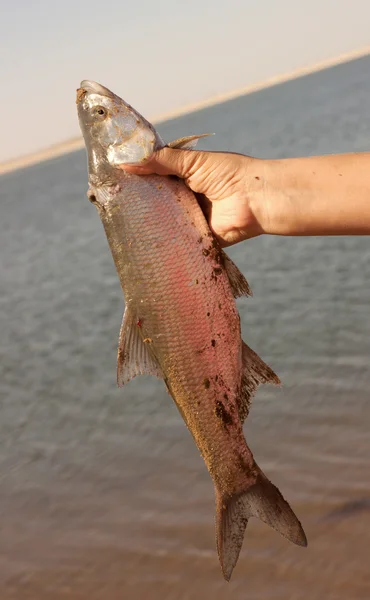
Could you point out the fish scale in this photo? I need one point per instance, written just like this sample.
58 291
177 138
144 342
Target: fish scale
181 322
171 304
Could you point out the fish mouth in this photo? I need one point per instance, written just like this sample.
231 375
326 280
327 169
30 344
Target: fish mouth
92 87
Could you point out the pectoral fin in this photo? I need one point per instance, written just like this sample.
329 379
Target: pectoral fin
189 142
134 355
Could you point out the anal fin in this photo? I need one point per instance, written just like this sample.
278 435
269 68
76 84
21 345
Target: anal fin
255 372
133 357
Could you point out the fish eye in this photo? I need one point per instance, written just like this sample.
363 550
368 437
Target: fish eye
99 112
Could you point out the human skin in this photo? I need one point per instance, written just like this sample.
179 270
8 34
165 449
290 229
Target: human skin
244 197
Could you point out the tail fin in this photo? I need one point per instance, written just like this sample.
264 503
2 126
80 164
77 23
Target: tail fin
262 500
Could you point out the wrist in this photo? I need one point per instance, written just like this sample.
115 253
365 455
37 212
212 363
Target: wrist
272 197
260 185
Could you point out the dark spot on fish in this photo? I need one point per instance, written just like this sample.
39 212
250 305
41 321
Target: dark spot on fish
213 342
198 402
221 381
220 258
196 281
206 383
208 314
217 270
217 253
340 174
200 240
216 378
92 198
226 396
221 413
256 177
243 463
159 187
220 305
205 252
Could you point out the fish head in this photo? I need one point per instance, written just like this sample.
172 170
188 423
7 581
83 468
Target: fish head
114 132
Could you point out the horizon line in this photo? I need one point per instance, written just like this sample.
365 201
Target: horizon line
74 144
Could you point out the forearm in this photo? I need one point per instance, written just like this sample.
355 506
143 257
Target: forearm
322 195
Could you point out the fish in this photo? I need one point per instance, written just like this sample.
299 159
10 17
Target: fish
180 322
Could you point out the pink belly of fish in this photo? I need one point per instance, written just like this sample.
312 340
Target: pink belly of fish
186 312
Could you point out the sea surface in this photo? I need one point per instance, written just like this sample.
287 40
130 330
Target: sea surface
103 495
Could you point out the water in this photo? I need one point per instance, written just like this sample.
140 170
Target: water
103 494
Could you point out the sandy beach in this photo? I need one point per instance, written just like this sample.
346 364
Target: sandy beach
77 143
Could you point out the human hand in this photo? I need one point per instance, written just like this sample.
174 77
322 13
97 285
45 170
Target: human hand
243 197
224 184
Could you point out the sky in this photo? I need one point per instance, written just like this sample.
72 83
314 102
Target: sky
158 55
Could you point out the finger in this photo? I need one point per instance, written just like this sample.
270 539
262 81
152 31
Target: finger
168 161
137 169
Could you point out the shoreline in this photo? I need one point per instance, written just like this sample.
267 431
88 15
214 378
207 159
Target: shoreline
71 145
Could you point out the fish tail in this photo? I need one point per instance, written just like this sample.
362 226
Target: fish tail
260 499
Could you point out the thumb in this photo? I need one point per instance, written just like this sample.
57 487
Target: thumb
168 161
